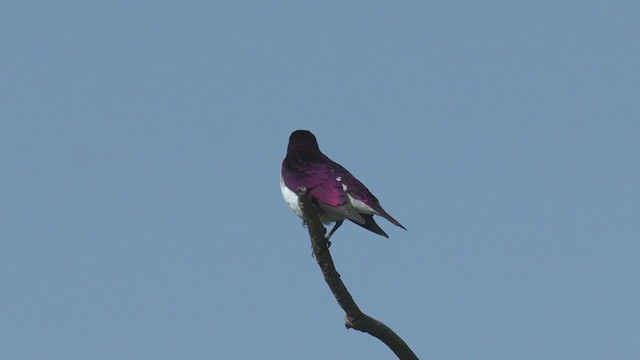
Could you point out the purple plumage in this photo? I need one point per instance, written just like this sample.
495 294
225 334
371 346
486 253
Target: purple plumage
338 193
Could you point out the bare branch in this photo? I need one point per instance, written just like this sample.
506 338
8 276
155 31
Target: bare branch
354 318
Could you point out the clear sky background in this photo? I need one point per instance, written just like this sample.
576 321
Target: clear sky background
140 151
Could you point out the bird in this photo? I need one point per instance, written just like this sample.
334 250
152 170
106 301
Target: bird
338 194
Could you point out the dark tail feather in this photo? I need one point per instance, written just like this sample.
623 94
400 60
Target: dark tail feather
371 225
390 218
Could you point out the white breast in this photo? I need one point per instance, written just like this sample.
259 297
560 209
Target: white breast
290 198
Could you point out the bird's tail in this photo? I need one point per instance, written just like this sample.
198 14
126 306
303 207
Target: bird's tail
371 225
390 218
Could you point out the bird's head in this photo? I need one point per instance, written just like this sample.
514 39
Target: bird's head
302 141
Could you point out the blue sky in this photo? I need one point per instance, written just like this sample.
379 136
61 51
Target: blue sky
140 214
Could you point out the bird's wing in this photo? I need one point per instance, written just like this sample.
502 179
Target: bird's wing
354 187
358 191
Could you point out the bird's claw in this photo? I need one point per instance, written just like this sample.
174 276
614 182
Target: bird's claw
328 242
